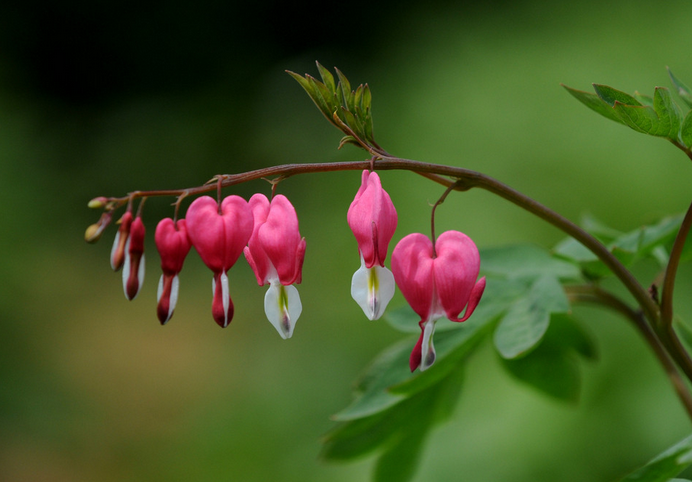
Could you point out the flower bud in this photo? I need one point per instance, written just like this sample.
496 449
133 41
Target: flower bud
98 202
93 233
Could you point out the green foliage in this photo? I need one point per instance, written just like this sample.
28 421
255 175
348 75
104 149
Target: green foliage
657 116
348 110
666 465
648 241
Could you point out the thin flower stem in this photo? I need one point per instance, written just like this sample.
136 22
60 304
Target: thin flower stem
672 268
593 294
432 214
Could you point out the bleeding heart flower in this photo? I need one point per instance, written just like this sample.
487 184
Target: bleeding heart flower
373 219
437 282
219 235
173 245
118 251
133 267
276 252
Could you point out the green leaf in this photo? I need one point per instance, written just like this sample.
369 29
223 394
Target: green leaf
524 261
666 465
644 99
610 96
346 91
399 431
327 78
682 90
550 369
686 130
567 332
527 320
669 115
595 103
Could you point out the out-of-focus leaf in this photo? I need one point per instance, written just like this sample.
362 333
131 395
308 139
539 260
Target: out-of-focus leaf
595 103
666 465
549 369
599 229
686 130
524 261
682 90
399 431
628 247
567 332
684 331
552 367
372 394
527 320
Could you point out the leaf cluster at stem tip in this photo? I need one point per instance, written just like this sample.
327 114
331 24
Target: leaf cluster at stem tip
348 110
657 116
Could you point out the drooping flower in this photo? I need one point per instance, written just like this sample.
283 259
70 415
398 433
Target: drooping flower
219 234
133 266
118 250
173 245
437 286
373 219
276 252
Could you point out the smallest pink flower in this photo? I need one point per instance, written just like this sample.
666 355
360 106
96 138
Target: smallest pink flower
173 245
373 219
437 283
133 267
275 253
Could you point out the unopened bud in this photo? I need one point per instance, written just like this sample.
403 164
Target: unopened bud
98 202
93 232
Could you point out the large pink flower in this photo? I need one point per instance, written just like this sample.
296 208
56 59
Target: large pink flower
373 219
437 286
276 252
219 235
173 245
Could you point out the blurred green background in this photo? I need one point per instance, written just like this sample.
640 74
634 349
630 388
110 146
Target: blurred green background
100 99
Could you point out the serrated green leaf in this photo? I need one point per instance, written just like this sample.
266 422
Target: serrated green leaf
595 103
367 98
669 115
644 99
686 130
666 465
524 261
641 118
682 90
611 96
327 78
527 320
345 90
326 99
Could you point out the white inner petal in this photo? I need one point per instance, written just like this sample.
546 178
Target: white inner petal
427 347
226 297
159 291
114 248
373 289
126 267
174 297
283 307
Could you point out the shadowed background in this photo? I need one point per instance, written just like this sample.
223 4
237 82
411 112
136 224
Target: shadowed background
98 100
